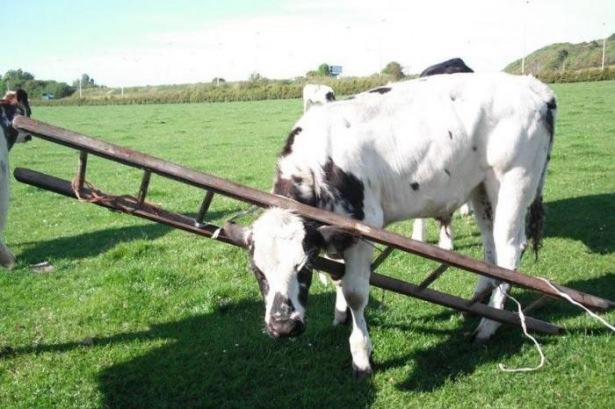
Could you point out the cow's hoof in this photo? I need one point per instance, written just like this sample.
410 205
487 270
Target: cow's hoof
361 374
477 339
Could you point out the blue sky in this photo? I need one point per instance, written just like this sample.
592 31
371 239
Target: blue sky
123 43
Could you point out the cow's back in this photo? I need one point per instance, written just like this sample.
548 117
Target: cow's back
419 147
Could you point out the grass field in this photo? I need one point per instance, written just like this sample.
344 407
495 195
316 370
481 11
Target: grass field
140 315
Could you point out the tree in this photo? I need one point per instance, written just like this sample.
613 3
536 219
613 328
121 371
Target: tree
17 78
324 70
394 70
255 76
86 82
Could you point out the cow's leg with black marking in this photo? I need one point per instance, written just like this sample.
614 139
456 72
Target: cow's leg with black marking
355 287
483 199
514 195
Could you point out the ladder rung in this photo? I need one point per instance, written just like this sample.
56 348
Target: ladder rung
83 163
381 257
433 276
537 303
143 188
198 220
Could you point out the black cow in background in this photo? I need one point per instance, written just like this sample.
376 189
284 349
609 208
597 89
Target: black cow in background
451 66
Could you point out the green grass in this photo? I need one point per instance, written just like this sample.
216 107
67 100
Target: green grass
140 315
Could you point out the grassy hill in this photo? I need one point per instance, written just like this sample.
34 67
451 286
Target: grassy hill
562 57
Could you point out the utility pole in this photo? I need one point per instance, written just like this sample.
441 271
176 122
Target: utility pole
122 91
603 49
80 88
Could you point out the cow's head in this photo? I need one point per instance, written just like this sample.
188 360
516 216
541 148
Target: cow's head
282 247
14 103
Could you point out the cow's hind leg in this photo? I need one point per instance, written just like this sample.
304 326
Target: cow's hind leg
355 287
509 239
483 199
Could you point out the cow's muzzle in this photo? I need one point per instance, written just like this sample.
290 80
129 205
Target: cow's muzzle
283 319
285 328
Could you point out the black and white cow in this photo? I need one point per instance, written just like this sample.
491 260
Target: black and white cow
315 94
14 103
445 241
418 148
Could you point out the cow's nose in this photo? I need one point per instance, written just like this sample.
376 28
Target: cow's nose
283 328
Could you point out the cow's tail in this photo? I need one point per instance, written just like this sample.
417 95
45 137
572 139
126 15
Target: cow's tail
536 211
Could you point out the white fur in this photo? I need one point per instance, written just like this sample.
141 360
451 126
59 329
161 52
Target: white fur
277 236
465 136
315 94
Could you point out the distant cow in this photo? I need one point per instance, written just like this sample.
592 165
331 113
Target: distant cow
452 66
14 103
417 148
316 94
445 241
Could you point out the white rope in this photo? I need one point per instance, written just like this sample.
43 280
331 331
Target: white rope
241 213
524 327
570 300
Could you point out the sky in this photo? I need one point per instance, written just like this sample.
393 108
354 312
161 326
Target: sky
139 42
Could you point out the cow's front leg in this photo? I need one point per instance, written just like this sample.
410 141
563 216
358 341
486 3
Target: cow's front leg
341 306
355 287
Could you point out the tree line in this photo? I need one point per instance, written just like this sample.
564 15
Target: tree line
37 89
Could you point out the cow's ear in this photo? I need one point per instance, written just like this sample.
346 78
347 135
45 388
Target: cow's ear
238 234
337 238
22 98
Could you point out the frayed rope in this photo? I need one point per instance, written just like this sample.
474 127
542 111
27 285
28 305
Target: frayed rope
571 301
523 326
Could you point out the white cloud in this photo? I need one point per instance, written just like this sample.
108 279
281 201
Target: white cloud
360 35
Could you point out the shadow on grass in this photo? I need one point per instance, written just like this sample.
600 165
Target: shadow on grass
97 242
456 357
223 360
589 219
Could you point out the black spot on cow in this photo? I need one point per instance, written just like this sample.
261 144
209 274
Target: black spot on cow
474 148
549 119
450 134
7 114
305 281
415 186
291 188
380 90
263 284
447 172
330 96
346 189
288 147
